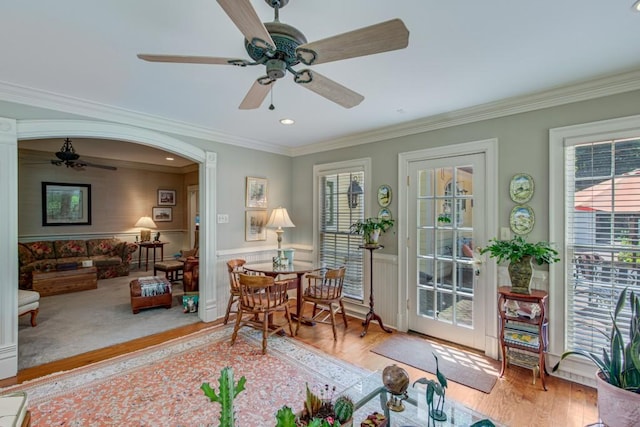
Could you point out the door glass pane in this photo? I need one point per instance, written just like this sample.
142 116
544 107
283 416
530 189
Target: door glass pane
444 233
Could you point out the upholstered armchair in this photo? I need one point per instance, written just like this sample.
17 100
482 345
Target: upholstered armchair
191 274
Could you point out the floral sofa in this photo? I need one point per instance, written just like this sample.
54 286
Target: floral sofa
111 257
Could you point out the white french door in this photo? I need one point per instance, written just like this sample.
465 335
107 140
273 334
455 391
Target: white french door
446 207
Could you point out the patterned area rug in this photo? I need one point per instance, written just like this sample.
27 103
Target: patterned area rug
466 368
161 385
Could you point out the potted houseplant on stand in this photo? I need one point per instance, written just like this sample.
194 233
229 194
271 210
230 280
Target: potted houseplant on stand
371 228
618 376
520 255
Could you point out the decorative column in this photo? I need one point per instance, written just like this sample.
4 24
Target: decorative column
208 306
8 248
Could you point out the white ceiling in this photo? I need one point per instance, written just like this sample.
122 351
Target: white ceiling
461 53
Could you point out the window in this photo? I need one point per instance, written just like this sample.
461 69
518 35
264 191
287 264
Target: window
602 234
337 208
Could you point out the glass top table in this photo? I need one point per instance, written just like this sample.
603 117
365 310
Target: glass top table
370 395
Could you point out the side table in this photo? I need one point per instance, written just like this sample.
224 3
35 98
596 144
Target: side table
371 315
147 246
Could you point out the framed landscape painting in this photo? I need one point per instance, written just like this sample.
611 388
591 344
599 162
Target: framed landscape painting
162 214
66 204
256 192
166 197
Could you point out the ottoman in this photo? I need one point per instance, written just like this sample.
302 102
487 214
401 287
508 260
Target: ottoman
148 292
172 269
28 303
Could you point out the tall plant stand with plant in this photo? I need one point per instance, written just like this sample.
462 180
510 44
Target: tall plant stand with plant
372 315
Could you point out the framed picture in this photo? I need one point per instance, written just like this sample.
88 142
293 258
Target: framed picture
256 192
66 204
162 214
166 197
384 213
255 226
384 195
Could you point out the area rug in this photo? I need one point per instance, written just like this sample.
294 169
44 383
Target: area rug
161 385
466 368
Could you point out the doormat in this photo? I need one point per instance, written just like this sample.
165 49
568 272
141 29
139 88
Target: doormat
466 368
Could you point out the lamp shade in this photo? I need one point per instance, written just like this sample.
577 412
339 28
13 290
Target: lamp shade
145 222
280 219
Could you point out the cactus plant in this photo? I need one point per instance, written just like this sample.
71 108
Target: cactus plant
228 391
285 417
343 408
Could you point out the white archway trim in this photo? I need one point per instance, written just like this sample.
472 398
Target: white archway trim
33 129
8 249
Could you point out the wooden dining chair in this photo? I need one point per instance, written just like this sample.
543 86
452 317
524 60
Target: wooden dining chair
261 296
234 267
324 291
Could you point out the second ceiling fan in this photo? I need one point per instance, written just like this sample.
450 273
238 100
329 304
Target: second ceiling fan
279 47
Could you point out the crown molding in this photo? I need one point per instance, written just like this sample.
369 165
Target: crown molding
59 102
582 91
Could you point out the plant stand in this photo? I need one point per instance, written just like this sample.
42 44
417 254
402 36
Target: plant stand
371 315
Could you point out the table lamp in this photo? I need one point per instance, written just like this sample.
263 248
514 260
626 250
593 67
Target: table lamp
280 219
146 223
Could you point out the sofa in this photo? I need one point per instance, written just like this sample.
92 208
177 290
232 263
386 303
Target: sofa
111 257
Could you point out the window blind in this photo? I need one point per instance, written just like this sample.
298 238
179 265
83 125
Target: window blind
338 246
602 214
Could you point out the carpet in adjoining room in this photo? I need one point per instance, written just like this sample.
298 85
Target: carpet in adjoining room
466 368
77 322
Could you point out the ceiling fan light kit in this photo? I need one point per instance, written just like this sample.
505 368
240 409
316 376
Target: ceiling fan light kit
67 156
280 47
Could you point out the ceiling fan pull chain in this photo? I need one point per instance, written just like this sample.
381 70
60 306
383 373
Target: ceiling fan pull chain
271 107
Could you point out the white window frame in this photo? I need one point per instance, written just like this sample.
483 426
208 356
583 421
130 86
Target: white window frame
627 127
356 165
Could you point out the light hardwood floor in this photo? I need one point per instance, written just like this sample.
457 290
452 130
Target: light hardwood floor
514 401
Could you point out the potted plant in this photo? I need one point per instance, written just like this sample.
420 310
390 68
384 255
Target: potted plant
371 228
520 255
618 376
320 410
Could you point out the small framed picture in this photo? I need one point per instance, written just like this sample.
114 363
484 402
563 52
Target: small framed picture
162 214
384 195
256 192
166 197
255 226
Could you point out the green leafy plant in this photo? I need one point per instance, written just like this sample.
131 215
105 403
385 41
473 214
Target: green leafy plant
285 417
444 218
620 363
321 411
517 248
228 391
370 226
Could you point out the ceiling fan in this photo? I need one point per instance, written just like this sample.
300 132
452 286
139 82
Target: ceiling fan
279 47
67 156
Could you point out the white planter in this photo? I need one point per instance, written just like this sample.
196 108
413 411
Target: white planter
617 407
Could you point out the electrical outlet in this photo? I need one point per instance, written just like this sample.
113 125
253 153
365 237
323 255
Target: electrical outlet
505 233
223 218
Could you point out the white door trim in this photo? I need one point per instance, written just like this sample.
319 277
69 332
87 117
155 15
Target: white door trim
490 148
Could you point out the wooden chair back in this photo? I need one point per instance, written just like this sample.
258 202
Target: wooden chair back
260 294
234 267
326 285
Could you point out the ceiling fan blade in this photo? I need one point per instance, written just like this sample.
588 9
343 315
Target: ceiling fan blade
246 19
326 87
184 59
382 37
93 165
256 95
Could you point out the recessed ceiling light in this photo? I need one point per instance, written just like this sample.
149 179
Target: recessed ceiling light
290 121
636 6
169 158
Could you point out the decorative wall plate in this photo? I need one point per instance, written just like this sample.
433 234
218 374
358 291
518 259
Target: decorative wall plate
521 188
384 213
384 195
522 219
